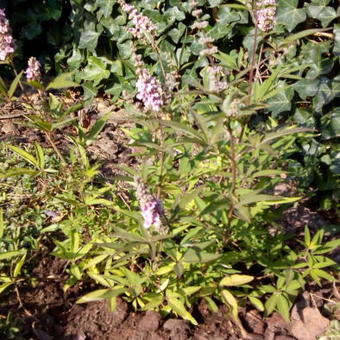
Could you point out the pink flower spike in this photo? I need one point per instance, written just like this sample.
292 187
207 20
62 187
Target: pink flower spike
149 91
33 70
6 39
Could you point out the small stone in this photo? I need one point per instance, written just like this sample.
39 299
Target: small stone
253 336
309 325
149 322
254 322
178 329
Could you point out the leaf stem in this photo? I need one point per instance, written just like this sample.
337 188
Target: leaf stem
55 148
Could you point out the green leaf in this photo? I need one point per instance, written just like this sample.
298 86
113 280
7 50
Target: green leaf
231 301
178 307
269 137
96 70
3 88
40 123
268 173
266 199
236 280
211 303
91 136
270 304
197 256
191 290
89 37
62 81
183 128
25 155
19 172
155 300
257 303
166 269
323 13
336 48
105 8
121 233
330 125
94 261
282 101
282 304
40 155
307 236
2 223
321 273
18 266
101 294
293 37
289 15
14 84
9 254
4 286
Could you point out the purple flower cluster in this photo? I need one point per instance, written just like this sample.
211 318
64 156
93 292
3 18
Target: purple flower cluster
6 39
150 91
33 70
150 206
265 14
141 23
215 74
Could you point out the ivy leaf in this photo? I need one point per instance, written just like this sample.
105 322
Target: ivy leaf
89 37
331 125
306 87
105 8
96 70
304 118
319 88
324 94
289 15
323 13
336 49
282 101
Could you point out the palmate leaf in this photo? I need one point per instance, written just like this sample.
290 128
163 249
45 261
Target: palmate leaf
289 15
